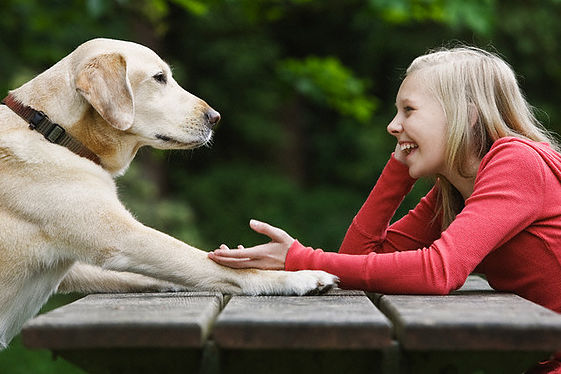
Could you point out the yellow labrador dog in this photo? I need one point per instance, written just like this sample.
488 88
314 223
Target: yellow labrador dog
63 137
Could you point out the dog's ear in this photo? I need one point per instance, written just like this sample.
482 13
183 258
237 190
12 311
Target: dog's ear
104 83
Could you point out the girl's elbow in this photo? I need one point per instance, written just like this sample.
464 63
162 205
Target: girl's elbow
446 286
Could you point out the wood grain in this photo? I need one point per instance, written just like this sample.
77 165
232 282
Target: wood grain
313 322
127 320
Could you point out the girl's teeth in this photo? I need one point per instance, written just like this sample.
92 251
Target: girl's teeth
408 147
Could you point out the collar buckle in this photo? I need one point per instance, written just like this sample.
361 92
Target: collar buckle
54 133
38 118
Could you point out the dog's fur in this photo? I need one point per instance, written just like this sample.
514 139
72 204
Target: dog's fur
62 226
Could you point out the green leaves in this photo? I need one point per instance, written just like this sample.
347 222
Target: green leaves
476 15
328 82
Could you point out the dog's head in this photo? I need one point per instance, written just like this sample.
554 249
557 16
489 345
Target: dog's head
134 91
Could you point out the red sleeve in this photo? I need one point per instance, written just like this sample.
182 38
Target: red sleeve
369 230
507 197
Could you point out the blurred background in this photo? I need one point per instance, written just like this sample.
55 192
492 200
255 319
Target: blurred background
305 89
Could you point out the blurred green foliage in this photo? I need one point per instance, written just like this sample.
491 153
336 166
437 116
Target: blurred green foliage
305 89
328 82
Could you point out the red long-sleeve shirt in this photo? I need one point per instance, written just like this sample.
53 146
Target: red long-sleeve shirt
509 230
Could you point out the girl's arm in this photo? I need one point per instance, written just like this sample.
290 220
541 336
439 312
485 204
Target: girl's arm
369 231
507 198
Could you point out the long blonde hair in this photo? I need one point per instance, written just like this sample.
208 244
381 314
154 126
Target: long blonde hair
482 102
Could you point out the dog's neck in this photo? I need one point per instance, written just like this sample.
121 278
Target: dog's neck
115 148
53 132
69 109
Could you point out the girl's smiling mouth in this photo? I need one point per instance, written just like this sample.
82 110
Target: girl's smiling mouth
408 147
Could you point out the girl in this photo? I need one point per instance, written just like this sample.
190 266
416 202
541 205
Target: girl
495 207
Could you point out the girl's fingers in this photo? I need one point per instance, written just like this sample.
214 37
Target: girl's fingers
233 262
261 257
272 232
240 252
224 247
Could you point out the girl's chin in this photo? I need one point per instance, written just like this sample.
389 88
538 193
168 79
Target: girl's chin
415 173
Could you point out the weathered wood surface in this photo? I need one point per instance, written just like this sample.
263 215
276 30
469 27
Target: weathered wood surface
181 319
473 283
339 320
472 318
475 329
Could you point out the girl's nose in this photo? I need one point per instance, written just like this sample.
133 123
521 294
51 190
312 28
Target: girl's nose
395 128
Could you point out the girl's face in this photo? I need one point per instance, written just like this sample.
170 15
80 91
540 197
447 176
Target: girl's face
420 128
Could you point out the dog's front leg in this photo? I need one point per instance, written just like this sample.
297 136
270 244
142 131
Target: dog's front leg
85 278
146 251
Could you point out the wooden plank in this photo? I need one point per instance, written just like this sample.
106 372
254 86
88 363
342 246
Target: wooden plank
312 322
473 283
182 319
468 320
343 292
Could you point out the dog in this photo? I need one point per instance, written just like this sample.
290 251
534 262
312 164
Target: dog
64 136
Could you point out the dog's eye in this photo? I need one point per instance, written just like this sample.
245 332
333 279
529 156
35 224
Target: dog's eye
160 77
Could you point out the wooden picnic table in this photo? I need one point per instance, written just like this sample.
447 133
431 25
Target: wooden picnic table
472 330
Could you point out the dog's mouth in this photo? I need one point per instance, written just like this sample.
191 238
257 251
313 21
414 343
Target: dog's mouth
174 143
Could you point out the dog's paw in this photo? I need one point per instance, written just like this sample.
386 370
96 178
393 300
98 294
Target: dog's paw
304 282
310 282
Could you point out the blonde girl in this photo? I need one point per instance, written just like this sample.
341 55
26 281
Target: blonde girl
495 207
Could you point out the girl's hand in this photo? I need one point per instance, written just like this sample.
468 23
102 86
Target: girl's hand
269 256
399 154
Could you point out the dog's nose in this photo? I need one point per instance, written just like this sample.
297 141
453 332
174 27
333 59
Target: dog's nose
212 117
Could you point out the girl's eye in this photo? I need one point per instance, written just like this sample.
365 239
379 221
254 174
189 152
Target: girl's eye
408 109
160 77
